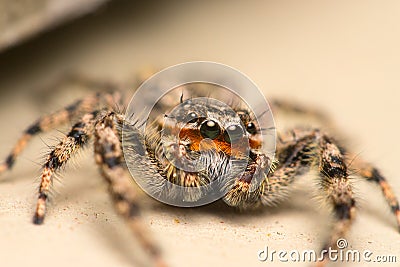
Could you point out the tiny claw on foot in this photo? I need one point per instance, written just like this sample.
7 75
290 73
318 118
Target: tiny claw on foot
38 218
398 219
7 164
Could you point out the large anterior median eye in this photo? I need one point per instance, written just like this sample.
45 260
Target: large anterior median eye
210 129
233 133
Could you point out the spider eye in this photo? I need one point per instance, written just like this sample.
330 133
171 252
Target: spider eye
251 128
233 133
210 129
191 117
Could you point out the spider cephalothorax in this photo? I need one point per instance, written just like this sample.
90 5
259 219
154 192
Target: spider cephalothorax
202 143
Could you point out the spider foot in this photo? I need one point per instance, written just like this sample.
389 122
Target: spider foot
7 164
38 217
38 220
398 219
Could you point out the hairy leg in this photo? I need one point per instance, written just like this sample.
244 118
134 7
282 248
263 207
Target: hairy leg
322 152
109 157
60 117
294 153
337 190
313 148
299 150
79 136
373 175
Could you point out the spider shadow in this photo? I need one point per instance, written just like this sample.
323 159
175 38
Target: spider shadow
221 211
107 227
10 177
123 244
369 205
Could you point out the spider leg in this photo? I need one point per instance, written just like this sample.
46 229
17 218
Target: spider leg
109 157
373 175
315 149
79 136
297 152
53 120
337 190
294 153
302 148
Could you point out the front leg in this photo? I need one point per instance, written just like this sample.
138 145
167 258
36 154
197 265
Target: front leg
299 151
109 157
78 137
60 117
337 190
294 155
373 175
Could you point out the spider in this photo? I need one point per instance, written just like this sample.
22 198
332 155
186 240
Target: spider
298 150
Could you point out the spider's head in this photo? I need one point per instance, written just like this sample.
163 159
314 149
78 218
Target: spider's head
203 123
202 135
196 149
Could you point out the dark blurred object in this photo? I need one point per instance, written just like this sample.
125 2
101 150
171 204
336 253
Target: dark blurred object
21 19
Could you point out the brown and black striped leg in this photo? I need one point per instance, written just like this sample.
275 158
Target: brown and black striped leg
60 117
76 138
295 154
109 157
337 190
44 124
372 174
295 151
301 149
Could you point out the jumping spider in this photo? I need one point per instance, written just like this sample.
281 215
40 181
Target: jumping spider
297 150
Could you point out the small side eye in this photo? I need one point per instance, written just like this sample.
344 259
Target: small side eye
191 117
210 129
251 128
233 133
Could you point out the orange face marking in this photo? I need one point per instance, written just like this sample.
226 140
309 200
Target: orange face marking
220 143
255 143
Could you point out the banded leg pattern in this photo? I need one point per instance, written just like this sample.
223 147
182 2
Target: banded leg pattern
109 157
58 157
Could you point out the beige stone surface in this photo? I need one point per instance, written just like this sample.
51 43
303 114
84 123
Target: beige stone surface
341 56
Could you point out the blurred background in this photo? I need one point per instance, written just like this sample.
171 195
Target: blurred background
340 56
